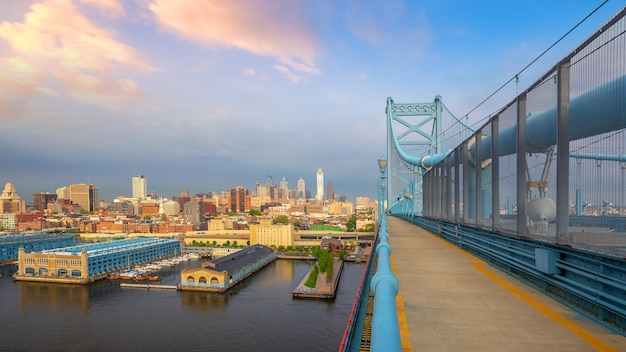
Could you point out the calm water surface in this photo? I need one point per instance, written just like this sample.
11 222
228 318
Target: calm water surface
259 314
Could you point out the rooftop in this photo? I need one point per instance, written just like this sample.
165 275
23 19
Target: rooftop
238 260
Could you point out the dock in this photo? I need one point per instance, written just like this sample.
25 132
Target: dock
322 289
148 286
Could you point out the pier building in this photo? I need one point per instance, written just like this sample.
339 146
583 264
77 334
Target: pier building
85 264
221 274
10 243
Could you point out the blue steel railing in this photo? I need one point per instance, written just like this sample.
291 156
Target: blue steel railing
384 286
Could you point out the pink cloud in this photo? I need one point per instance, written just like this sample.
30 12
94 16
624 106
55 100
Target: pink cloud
268 28
112 6
57 41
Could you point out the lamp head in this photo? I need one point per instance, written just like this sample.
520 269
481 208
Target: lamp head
382 163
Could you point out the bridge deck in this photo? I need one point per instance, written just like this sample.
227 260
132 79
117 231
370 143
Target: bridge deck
453 301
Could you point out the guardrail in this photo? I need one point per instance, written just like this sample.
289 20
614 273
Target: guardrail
384 287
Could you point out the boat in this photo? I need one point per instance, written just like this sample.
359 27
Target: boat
154 278
113 277
193 256
128 275
140 278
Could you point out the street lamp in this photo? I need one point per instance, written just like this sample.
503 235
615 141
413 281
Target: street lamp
382 165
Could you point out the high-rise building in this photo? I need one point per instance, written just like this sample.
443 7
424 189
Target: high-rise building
63 192
10 201
239 200
140 187
87 196
320 185
194 213
301 189
284 186
330 193
40 200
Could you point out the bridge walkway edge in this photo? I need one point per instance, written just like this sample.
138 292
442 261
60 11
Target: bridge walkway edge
455 301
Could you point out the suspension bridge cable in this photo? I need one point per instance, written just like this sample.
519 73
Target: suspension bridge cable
538 57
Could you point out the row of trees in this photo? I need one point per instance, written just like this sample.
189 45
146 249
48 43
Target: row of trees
325 264
234 244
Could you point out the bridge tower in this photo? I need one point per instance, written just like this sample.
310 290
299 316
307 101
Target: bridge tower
413 131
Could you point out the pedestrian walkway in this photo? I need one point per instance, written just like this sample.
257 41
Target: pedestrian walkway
450 300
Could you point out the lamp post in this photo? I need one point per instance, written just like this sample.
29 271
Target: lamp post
382 165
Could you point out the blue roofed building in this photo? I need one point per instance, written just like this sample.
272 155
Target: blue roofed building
84 264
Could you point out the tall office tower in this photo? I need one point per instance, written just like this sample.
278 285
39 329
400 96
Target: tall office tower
239 200
284 185
63 192
140 187
40 200
320 185
193 212
85 195
330 193
301 189
10 201
268 181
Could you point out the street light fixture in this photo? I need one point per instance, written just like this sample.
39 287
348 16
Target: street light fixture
382 165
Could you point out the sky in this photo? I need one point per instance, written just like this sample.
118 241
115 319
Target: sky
207 95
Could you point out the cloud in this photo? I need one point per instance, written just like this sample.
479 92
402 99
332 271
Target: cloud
287 72
112 6
267 28
56 47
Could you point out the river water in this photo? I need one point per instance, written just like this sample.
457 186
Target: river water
259 314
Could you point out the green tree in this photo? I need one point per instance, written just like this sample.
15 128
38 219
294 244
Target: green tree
227 244
330 267
342 254
254 212
281 219
214 243
231 213
351 224
234 243
311 281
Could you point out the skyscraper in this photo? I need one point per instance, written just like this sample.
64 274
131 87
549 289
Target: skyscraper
330 193
239 200
320 185
40 200
301 189
85 195
140 187
284 185
10 201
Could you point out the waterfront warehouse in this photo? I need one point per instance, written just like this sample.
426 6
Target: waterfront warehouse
221 274
85 264
10 243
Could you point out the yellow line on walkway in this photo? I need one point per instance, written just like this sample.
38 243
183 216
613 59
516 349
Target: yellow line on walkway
403 324
566 323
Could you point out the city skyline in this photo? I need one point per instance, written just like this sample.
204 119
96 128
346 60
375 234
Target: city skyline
141 181
98 91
